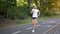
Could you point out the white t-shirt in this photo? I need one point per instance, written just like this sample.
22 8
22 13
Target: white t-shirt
35 13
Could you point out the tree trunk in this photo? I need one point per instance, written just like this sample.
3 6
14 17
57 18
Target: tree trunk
29 1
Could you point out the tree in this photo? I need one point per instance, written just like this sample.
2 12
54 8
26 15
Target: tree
29 3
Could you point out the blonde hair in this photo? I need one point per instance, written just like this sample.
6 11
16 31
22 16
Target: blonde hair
35 6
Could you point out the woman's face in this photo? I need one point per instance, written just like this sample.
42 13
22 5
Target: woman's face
35 6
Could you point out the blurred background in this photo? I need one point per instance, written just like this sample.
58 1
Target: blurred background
17 12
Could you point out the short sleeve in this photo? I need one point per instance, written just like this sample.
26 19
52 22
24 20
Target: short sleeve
38 10
32 9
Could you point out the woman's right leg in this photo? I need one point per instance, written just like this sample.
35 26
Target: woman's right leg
34 24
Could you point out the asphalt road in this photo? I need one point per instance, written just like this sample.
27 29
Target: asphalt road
42 27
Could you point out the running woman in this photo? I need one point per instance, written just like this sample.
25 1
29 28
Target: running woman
35 13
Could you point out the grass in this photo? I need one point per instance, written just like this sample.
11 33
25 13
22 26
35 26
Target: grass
40 19
26 21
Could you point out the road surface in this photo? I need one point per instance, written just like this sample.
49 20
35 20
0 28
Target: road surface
42 28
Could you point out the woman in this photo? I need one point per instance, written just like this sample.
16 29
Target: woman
35 13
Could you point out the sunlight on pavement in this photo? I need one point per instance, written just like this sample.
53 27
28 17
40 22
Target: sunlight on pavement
49 25
16 32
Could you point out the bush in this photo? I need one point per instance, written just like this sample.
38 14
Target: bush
50 13
18 12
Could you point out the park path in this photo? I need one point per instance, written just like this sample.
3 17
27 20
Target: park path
42 27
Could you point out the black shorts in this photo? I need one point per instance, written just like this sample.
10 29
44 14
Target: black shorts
34 17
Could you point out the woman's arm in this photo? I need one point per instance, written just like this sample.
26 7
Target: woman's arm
32 11
38 13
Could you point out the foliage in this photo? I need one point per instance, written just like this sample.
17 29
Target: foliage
20 9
